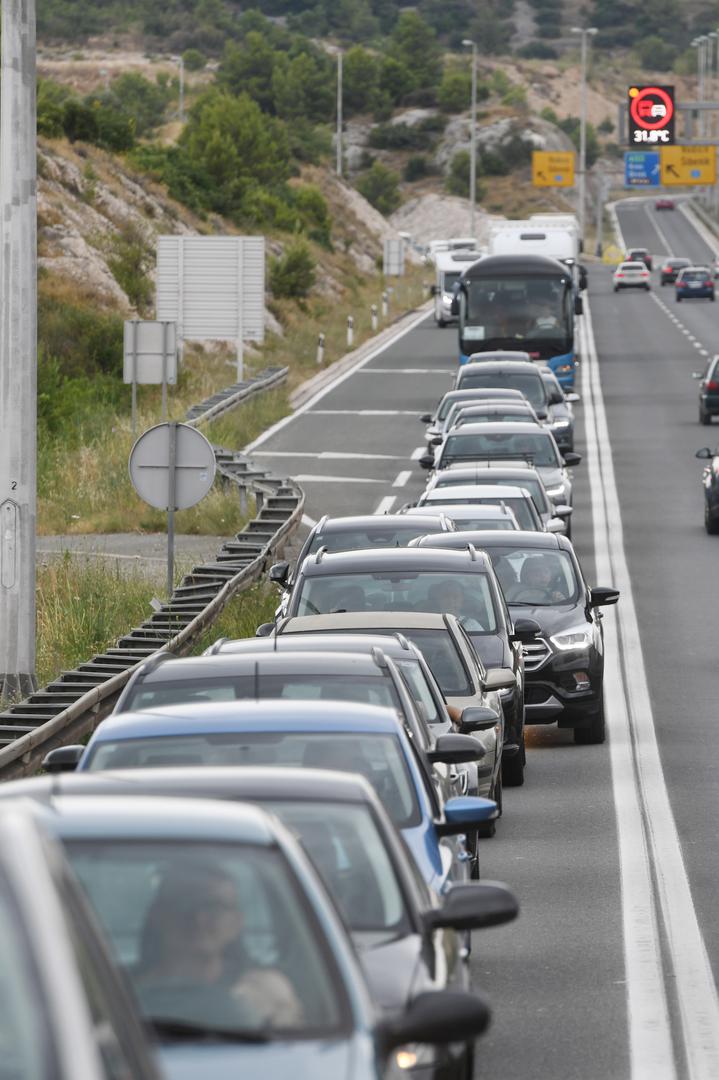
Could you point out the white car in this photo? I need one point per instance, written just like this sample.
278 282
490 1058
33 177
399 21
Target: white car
631 275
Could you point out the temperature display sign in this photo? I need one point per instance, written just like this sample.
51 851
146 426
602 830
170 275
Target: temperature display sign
651 115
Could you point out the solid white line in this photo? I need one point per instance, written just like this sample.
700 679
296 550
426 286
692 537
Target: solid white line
418 453
311 478
311 402
386 504
407 371
649 840
704 352
308 521
699 227
328 455
660 231
402 478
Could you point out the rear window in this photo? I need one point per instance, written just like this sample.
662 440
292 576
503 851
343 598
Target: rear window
695 275
520 507
528 384
312 686
538 449
354 539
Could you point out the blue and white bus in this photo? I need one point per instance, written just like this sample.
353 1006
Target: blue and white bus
520 302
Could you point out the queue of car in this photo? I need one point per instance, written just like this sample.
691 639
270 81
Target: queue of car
278 844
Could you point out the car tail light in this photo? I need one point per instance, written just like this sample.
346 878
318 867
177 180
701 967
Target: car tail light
620 275
712 386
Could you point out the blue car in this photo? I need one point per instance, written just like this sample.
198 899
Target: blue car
328 735
239 960
694 283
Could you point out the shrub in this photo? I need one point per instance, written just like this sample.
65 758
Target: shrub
458 179
455 91
380 186
538 50
293 273
416 168
130 262
193 59
83 340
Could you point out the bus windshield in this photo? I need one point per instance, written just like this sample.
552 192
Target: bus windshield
499 312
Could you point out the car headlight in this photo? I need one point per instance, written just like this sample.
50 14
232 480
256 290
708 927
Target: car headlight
561 423
555 492
415 1055
576 637
447 298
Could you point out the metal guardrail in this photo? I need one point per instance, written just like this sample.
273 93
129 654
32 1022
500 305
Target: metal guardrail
70 707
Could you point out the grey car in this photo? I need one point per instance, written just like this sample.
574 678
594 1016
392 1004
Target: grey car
67 1012
392 916
560 419
516 499
238 957
442 418
518 474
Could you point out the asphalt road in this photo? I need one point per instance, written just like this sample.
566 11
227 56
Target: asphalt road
611 849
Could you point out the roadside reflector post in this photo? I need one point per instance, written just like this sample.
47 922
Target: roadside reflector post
320 349
373 317
385 304
350 330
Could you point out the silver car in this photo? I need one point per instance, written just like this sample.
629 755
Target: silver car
631 275
518 474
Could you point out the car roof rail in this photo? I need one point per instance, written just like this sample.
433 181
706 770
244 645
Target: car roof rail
153 662
321 524
216 646
472 552
319 555
403 641
378 656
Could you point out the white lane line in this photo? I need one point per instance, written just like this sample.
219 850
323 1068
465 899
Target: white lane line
402 478
698 225
329 455
418 453
649 842
311 402
308 521
659 230
386 504
704 352
408 371
363 412
698 345
313 478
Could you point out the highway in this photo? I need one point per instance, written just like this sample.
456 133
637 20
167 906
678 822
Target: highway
611 849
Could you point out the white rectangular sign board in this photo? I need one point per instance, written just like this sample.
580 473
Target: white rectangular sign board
213 287
149 341
393 261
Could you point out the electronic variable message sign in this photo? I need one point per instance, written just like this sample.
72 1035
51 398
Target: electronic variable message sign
651 115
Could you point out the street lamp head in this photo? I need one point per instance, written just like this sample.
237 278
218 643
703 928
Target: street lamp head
584 30
468 43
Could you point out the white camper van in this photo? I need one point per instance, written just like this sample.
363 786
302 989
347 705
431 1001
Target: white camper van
532 237
448 267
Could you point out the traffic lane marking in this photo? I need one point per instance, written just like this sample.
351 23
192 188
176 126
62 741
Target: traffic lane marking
362 412
313 478
357 435
385 505
402 478
329 455
409 371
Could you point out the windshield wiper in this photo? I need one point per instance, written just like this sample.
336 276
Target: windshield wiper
170 1028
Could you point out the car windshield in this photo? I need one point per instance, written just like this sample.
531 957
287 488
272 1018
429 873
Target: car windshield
527 383
537 578
450 279
334 540
522 508
539 448
213 936
466 595
311 686
27 1053
378 756
346 846
514 308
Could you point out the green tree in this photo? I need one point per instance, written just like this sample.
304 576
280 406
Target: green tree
248 68
395 79
302 89
293 273
457 179
193 59
455 90
380 186
656 54
360 71
414 43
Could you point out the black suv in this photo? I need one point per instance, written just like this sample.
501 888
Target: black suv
462 583
564 665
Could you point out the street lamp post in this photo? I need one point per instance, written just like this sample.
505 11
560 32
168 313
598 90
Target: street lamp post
181 110
585 32
473 140
339 114
18 348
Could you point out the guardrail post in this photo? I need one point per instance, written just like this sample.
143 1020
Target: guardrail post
350 329
320 349
373 317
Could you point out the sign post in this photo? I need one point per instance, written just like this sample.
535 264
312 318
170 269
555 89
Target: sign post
553 168
172 466
683 165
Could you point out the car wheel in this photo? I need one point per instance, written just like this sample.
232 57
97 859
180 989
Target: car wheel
711 521
679 299
513 768
468 1073
616 288
441 324
595 731
647 287
487 831
704 417
712 298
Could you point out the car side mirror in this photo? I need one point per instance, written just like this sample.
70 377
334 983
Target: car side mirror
563 511
455 750
500 678
571 458
465 813
525 631
555 525
63 759
438 1016
426 418
434 290
578 305
454 306
436 441
426 461
265 629
582 279
602 597
478 718
474 906
572 398
541 414
279 573
705 454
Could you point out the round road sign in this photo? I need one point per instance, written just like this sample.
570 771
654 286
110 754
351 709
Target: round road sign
153 476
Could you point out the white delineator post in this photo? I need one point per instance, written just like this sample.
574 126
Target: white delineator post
18 349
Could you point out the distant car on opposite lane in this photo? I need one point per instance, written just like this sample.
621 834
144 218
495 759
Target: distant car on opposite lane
663 203
694 283
631 275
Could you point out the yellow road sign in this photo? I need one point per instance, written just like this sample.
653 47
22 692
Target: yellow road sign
553 168
681 165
